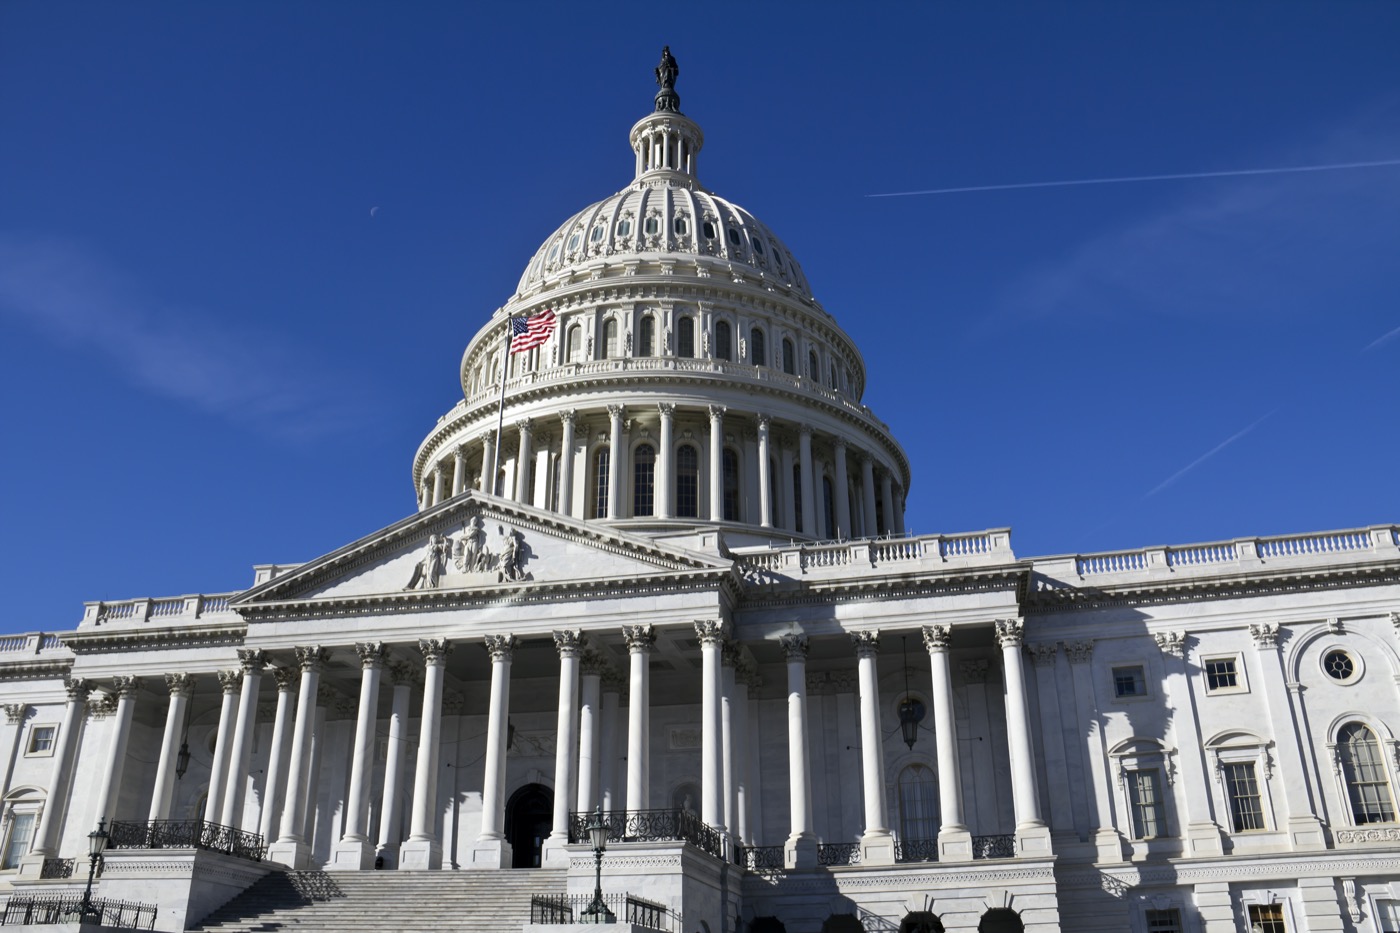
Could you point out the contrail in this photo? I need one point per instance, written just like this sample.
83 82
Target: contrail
1382 339
1338 166
1204 457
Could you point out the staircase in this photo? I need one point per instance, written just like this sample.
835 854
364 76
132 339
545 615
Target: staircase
376 901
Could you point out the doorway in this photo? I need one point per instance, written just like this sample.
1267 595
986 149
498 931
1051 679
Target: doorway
529 818
1001 920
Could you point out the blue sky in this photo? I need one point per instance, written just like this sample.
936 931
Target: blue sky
211 355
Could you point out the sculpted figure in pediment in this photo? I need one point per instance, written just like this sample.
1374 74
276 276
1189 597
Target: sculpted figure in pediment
468 553
428 571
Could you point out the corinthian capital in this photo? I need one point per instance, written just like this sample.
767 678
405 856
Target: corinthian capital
1009 632
180 684
500 647
311 657
371 653
639 638
711 631
126 686
77 688
435 650
794 646
867 644
570 642
936 637
230 681
1265 634
251 660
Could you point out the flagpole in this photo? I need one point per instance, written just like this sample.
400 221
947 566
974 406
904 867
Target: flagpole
490 486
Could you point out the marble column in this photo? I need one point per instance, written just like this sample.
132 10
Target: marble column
391 809
181 687
65 752
279 753
355 851
422 849
590 735
488 463
898 510
666 463
617 462
1032 835
541 498
15 716
785 488
570 645
841 493
491 850
809 492
109 791
241 753
887 501
325 696
1060 807
291 849
800 851
717 463
522 461
729 740
459 469
1108 843
608 796
711 634
876 843
867 491
437 484
744 753
1201 832
640 639
765 477
568 420
230 683
1305 830
954 839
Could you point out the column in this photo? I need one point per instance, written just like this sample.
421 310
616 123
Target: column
842 497
325 696
1032 835
1108 844
666 463
867 490
291 848
748 676
809 495
640 640
229 683
876 843
391 810
729 740
566 462
801 848
459 469
1060 814
887 501
109 791
422 848
437 484
570 645
51 818
15 715
744 753
488 463
522 461
355 851
899 511
1201 831
181 688
541 498
711 634
954 840
1304 828
608 795
785 489
617 465
765 478
590 736
491 849
717 463
242 752
275 787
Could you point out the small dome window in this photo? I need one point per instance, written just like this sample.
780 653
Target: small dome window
778 260
681 226
624 227
758 246
709 230
652 225
734 237
554 252
597 235
573 242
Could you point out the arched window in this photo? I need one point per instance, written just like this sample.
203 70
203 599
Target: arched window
646 336
731 486
814 369
601 464
758 353
835 379
573 351
687 482
724 341
797 497
610 345
643 480
774 502
789 358
1363 769
685 337
829 501
918 815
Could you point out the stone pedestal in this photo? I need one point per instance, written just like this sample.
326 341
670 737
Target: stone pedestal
351 855
800 852
292 853
420 854
877 848
955 845
1033 841
490 853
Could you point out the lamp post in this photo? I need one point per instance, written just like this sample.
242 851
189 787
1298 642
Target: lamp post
597 912
97 842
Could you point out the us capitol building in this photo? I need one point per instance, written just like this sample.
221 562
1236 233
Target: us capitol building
677 587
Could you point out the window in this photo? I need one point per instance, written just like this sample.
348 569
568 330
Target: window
789 359
652 225
1145 799
709 230
1363 770
724 349
687 482
1266 918
829 505
1221 674
685 337
814 370
610 339
1388 916
21 836
574 344
624 227
731 486
573 242
1338 665
1129 682
797 497
646 336
734 237
41 740
554 481
758 353
835 379
918 817
643 480
1163 921
758 246
601 464
681 226
1242 789
597 235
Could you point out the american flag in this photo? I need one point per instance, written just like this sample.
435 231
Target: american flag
529 332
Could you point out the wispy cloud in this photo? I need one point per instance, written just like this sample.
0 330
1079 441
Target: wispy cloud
78 300
1206 456
1383 338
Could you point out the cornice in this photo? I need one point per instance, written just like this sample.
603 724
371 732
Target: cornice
851 589
199 635
35 670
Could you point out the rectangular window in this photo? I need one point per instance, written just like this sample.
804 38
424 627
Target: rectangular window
41 739
1144 793
1164 921
1221 674
21 835
1129 681
1388 916
1266 918
1245 810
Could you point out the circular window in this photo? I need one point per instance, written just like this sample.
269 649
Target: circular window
734 236
1338 665
624 227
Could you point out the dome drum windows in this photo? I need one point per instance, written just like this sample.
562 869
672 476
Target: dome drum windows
644 481
685 337
687 482
724 341
624 227
646 336
758 354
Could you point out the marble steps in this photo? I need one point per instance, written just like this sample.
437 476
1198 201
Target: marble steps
402 901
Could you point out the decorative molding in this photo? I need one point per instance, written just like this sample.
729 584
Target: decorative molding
1172 643
639 638
1265 634
794 646
434 650
866 643
830 682
936 637
1043 654
16 713
1080 652
570 642
101 705
500 647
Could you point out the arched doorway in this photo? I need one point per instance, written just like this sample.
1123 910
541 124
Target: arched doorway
529 817
1001 920
921 921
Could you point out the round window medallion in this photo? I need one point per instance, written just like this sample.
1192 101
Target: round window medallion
1338 665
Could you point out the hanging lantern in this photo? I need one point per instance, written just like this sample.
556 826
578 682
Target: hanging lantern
911 713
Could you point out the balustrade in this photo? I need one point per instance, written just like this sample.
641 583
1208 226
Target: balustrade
652 826
185 834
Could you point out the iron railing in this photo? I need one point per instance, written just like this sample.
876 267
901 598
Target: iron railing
57 868
568 908
916 850
838 853
68 908
185 834
652 826
762 858
1002 846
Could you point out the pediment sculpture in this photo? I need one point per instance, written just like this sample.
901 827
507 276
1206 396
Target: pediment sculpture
472 558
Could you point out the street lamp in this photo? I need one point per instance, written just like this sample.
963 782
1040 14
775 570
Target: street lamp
911 711
97 842
597 829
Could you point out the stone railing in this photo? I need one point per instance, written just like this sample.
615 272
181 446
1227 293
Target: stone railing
28 645
160 611
924 552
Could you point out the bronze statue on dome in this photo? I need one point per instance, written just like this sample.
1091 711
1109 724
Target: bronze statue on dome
667 71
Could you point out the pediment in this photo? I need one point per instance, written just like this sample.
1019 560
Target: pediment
475 543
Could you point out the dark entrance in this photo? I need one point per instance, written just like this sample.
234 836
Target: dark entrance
921 921
1001 920
529 816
